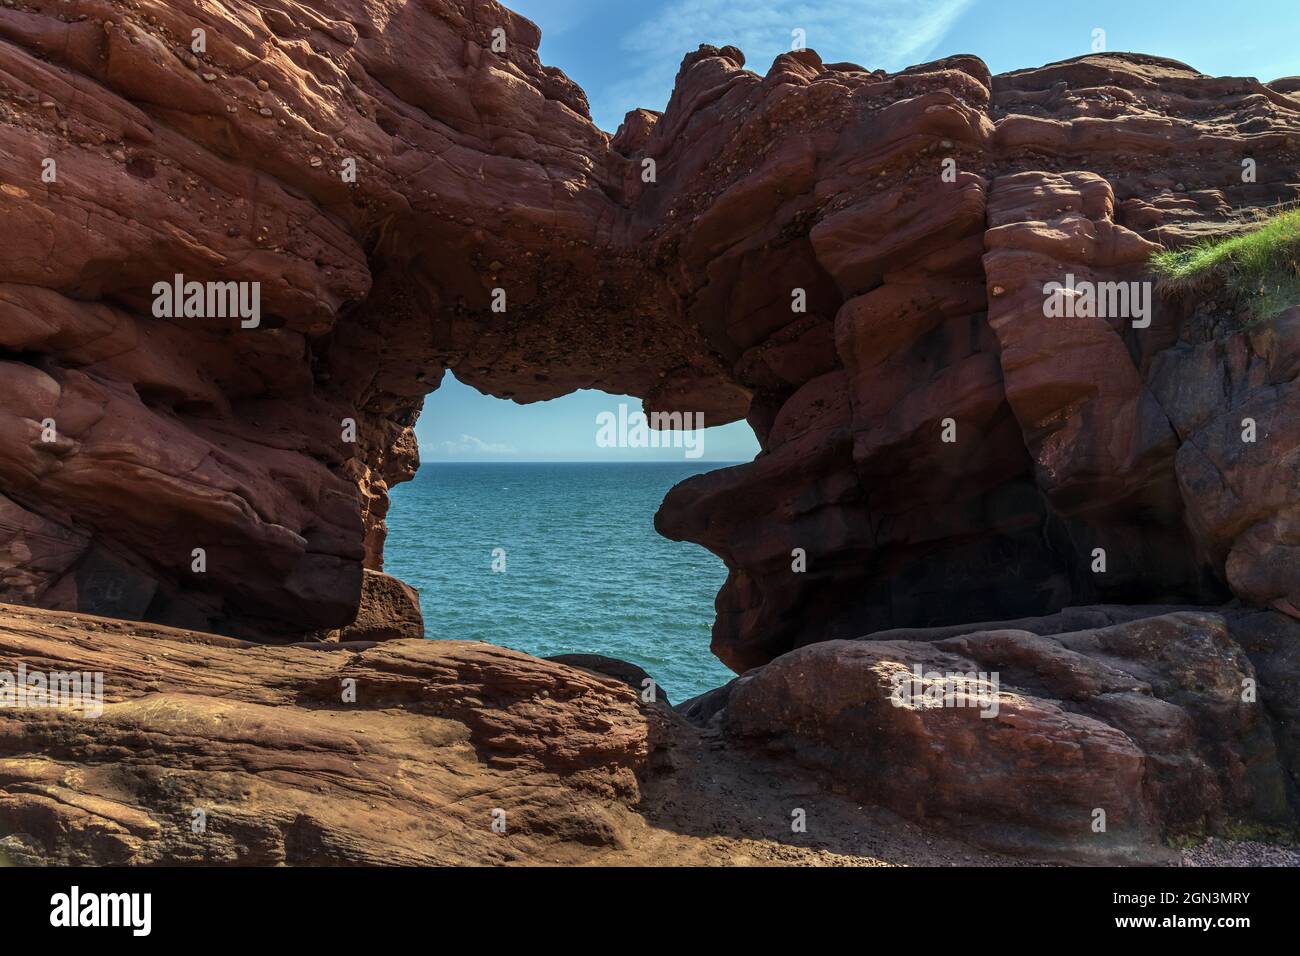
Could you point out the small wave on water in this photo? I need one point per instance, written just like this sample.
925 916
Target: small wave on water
585 571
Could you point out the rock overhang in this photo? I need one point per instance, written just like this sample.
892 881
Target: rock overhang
478 172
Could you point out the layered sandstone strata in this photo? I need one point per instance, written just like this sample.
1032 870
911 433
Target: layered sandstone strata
130 442
209 751
856 262
1107 733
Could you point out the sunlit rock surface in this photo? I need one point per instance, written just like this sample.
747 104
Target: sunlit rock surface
852 260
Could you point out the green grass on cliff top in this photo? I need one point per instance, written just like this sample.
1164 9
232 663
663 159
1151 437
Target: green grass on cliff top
1260 269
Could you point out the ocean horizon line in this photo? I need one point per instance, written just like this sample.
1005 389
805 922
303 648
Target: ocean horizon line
587 461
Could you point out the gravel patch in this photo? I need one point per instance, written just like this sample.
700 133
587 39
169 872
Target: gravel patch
1214 852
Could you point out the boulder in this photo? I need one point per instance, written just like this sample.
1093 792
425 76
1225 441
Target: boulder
630 674
1094 745
390 611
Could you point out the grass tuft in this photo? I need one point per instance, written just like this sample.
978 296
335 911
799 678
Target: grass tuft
1260 269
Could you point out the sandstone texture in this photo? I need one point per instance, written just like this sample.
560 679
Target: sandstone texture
389 611
854 261
207 750
287 767
211 751
129 440
1173 723
1067 435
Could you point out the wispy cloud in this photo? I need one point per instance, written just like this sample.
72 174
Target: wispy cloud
469 445
888 34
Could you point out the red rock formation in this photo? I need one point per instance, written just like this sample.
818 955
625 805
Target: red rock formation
390 611
1059 444
214 751
858 262
129 440
286 767
229 164
1241 497
1145 719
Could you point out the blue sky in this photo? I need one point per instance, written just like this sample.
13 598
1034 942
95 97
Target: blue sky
460 424
625 54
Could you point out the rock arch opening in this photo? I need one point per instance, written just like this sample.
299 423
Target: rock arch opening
536 531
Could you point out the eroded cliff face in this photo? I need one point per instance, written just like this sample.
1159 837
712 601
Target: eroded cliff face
918 215
472 171
1065 435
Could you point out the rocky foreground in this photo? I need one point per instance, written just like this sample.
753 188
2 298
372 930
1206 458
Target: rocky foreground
854 261
209 750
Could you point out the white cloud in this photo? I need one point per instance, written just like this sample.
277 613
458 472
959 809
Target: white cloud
469 445
878 34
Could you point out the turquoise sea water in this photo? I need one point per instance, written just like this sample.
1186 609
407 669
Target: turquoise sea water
585 570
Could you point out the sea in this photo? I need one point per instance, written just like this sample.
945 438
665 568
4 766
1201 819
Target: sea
560 558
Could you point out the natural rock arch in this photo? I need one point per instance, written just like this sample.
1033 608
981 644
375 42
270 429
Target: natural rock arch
478 171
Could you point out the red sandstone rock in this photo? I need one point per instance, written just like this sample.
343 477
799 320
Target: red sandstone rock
1063 442
286 769
403 752
389 611
1241 495
1146 720
478 170
128 440
214 751
228 166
